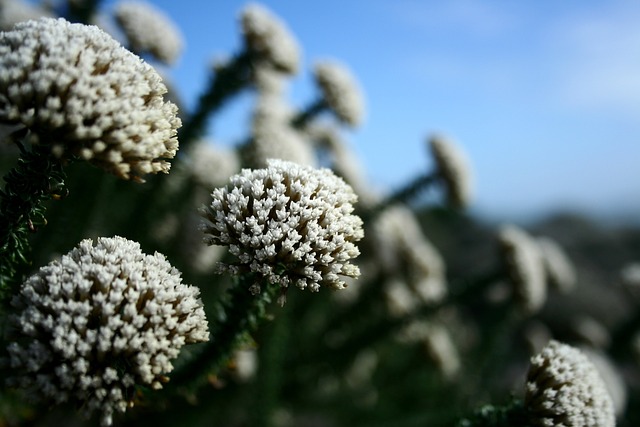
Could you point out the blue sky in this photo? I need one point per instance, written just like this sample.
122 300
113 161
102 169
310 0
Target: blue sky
543 95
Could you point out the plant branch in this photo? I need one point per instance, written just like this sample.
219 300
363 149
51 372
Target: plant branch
36 178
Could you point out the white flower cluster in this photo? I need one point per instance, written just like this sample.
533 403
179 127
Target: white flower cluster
630 276
453 167
564 388
559 268
442 349
149 30
287 224
75 87
340 91
269 39
405 252
99 322
524 266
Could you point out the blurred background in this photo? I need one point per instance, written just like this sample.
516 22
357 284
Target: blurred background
543 95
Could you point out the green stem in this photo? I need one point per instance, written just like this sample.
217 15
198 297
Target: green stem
271 370
36 178
384 327
224 83
240 313
82 11
404 194
303 118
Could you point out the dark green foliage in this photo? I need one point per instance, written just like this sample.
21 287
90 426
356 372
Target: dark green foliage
36 179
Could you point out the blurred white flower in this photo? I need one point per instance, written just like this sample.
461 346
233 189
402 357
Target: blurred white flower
344 162
269 39
441 349
630 276
340 91
245 364
453 167
14 11
273 137
523 264
99 322
149 30
403 249
558 267
211 165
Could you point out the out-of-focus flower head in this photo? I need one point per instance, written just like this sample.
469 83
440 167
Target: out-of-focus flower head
340 91
268 38
211 165
76 88
523 264
273 137
14 11
403 250
344 162
442 350
630 276
453 167
149 30
286 224
558 267
98 323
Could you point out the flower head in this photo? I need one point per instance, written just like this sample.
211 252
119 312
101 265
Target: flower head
99 322
344 161
14 11
523 264
287 224
403 250
268 38
273 137
453 167
76 88
558 266
340 91
564 388
211 165
148 29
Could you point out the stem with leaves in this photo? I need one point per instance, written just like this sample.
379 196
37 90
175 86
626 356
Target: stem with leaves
302 119
239 314
37 178
225 82
404 194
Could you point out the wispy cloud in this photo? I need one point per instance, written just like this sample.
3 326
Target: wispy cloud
579 58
